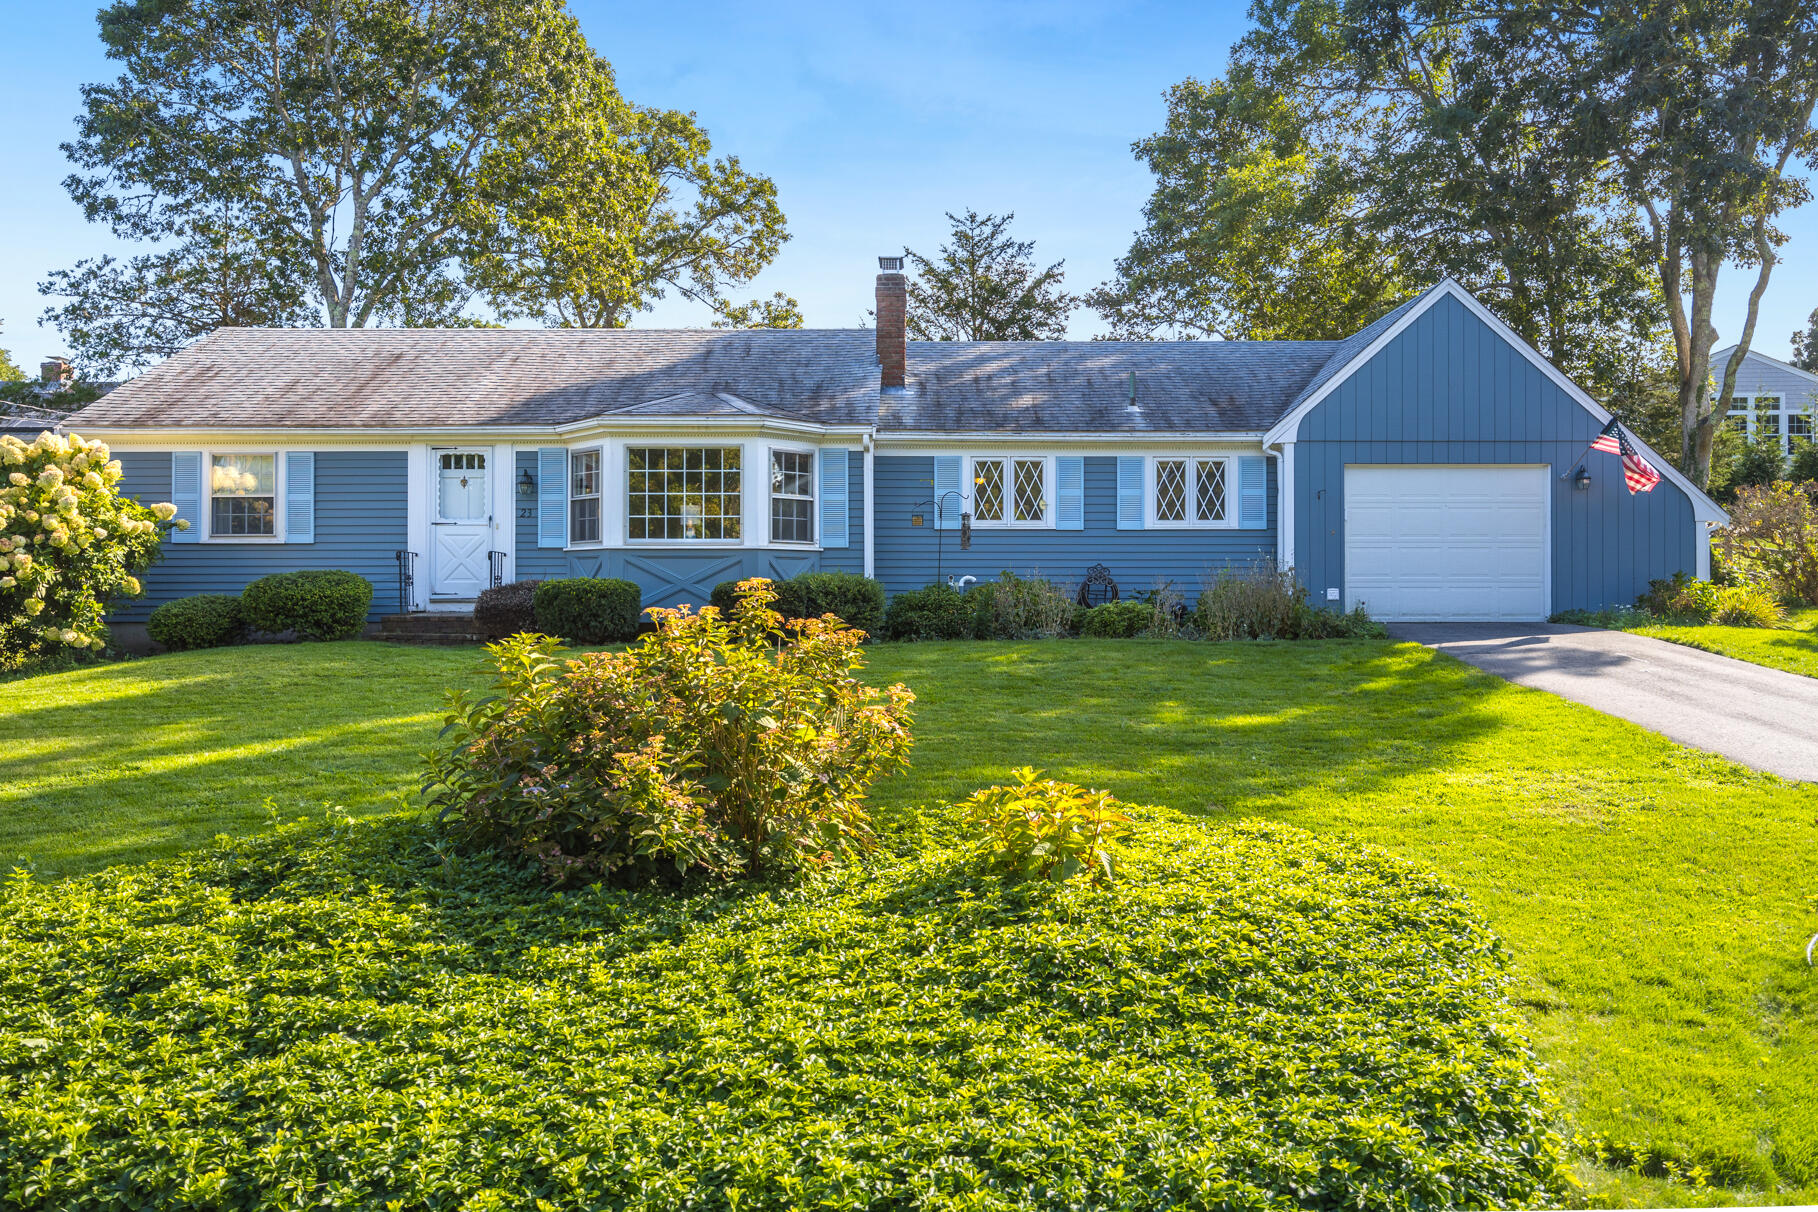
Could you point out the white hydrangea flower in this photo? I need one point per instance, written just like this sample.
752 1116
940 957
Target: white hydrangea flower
165 511
8 582
100 532
19 479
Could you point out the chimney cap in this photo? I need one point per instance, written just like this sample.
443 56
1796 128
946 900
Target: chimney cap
890 265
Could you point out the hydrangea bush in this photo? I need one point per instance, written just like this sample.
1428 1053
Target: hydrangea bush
68 543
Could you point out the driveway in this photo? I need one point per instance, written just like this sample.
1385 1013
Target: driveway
1765 718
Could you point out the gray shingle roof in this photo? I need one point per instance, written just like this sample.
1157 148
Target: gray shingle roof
399 378
391 378
1344 351
1084 386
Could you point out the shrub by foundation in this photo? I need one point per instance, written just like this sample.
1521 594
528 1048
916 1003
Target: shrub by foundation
318 604
589 610
207 620
506 610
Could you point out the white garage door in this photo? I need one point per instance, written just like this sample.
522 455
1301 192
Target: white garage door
1447 542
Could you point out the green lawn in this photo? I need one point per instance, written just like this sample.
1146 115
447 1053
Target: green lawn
1794 648
1656 899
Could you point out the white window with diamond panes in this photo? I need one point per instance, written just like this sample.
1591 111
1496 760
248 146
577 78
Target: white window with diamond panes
1190 490
1010 490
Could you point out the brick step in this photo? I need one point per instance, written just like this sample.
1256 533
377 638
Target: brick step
426 623
433 639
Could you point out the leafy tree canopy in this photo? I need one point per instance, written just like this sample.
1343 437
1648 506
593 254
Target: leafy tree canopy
985 286
1805 345
1353 153
778 311
9 370
386 161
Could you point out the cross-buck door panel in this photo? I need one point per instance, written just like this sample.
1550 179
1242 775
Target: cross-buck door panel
461 533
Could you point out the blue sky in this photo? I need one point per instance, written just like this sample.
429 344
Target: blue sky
872 119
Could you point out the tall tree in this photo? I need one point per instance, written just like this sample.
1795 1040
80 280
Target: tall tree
1805 345
9 370
1354 151
121 316
985 285
581 255
1703 112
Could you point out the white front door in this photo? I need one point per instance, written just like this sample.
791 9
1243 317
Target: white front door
460 544
1448 542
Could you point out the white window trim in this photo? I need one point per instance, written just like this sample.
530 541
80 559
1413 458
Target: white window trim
1771 402
623 462
568 484
278 518
1009 458
814 497
1191 522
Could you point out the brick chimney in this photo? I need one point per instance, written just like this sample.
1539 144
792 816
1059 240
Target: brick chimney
892 321
56 373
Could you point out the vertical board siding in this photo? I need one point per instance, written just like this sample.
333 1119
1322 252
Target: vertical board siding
360 504
906 554
1450 390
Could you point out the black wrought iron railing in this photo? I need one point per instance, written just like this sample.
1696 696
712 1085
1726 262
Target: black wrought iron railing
498 567
407 580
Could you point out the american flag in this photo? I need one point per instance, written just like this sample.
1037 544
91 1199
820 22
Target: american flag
1637 472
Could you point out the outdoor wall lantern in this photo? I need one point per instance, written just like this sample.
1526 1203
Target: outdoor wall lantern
1581 481
527 487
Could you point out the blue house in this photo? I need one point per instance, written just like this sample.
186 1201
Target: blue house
1431 466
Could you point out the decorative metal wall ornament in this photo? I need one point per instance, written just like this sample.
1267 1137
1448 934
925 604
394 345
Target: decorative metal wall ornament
1098 587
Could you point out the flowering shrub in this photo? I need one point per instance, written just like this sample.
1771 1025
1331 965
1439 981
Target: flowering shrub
1773 537
712 745
1046 828
68 543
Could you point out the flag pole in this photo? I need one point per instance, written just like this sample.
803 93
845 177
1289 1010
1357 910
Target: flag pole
1589 446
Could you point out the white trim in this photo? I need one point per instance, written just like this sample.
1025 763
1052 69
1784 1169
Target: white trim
870 498
504 505
1010 458
1071 442
748 515
417 503
1704 509
1284 528
568 497
432 507
1191 522
278 510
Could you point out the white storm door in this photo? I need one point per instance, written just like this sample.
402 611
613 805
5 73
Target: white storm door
1448 543
460 530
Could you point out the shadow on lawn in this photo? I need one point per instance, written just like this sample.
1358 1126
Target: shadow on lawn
1198 727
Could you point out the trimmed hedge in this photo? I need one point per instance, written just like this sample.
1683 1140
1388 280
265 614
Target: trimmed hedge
317 604
589 610
857 600
1119 620
1250 1018
207 620
506 610
938 612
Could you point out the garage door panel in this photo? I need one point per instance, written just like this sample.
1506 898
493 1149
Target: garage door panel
1447 542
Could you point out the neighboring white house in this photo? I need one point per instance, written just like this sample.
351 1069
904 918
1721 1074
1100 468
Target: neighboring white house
1772 399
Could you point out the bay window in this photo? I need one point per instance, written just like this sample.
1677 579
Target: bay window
243 496
791 496
685 493
584 496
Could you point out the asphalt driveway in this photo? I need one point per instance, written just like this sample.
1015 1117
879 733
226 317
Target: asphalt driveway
1764 718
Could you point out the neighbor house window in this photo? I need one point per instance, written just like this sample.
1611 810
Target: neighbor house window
1191 491
1798 428
791 496
243 494
684 492
584 496
1010 491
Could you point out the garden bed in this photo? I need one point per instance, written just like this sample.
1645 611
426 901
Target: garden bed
354 1016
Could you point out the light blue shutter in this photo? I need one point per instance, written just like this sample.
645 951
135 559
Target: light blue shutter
1069 493
552 497
1252 492
1129 492
300 496
186 493
947 509
835 488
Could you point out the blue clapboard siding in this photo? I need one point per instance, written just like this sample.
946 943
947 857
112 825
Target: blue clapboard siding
1450 390
1137 558
670 576
359 522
